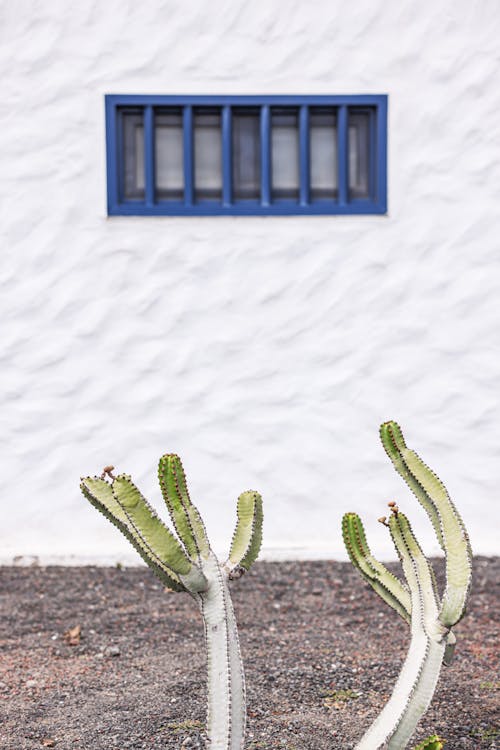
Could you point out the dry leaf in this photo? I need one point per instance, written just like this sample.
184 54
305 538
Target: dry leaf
49 743
72 636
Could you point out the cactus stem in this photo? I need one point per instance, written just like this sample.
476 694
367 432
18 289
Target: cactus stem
432 642
195 569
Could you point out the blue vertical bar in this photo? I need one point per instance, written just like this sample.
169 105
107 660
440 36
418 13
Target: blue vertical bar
187 124
265 156
226 157
343 155
149 156
381 137
114 156
372 164
304 155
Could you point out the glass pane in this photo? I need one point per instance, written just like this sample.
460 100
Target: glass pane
323 153
207 154
285 153
133 155
246 154
359 147
169 155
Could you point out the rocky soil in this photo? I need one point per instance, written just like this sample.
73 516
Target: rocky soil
321 654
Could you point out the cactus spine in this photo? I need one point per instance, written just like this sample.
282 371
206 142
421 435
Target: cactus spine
417 601
187 563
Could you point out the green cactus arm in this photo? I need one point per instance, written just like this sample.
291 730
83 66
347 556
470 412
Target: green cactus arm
447 522
416 565
395 447
387 586
185 516
247 537
99 493
163 546
431 743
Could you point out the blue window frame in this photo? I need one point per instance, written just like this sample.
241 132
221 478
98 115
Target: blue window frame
246 155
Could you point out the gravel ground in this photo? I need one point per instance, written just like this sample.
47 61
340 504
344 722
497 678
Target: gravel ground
321 654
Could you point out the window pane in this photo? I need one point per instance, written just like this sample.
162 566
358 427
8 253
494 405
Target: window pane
359 147
169 154
285 153
207 154
246 153
323 152
133 155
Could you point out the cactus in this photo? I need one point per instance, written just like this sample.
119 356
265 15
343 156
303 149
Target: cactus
417 601
187 563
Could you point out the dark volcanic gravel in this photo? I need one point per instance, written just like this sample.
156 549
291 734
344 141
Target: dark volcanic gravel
321 652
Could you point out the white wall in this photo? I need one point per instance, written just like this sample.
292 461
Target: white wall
265 351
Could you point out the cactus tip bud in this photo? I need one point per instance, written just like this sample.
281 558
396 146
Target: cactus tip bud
382 519
108 470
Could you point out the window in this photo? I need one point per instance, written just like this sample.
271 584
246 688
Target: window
246 155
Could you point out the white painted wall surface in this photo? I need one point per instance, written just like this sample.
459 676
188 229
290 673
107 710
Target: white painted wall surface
265 351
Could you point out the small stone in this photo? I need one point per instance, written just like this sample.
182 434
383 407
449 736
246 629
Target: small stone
112 651
31 684
191 743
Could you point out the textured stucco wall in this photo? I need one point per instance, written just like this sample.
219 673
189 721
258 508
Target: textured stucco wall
264 351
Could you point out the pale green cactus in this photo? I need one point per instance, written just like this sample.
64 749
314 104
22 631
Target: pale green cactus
417 601
188 564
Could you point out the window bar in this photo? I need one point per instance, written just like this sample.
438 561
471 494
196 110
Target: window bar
343 155
149 156
372 167
226 156
265 139
304 155
120 176
187 125
381 170
112 144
